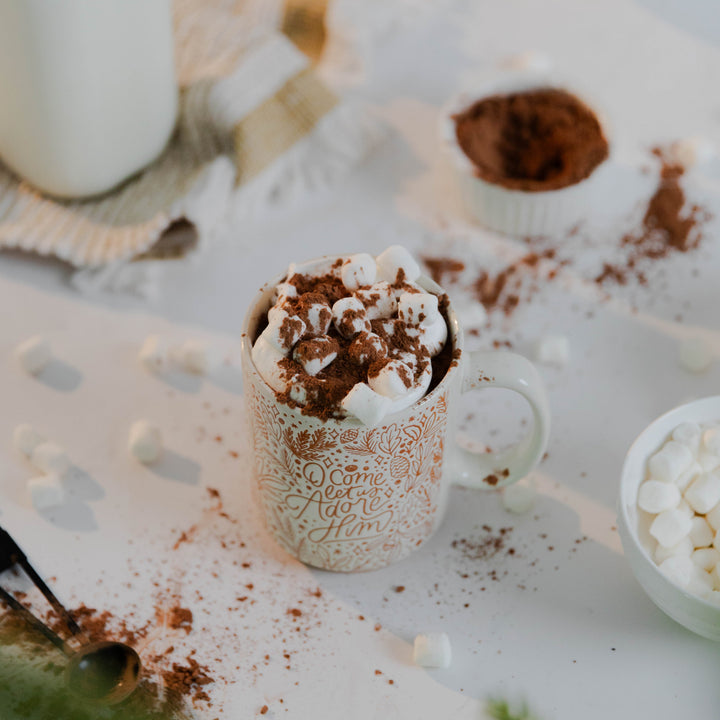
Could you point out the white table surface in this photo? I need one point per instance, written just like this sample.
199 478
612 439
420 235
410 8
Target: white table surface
568 629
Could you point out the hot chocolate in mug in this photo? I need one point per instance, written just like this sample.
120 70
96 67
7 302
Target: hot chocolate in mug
340 495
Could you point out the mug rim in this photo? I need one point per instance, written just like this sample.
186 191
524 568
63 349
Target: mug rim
455 333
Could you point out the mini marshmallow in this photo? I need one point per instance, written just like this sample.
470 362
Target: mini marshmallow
667 464
685 509
432 650
145 441
687 476
153 355
678 569
706 558
670 527
692 151
433 338
688 433
318 317
704 492
553 350
394 380
701 534
283 331
471 315
711 440
713 518
33 354
50 458
26 439
694 355
315 354
707 461
655 496
349 317
519 497
358 271
715 576
700 581
283 291
379 300
684 547
365 404
197 357
367 347
396 258
46 491
419 309
267 360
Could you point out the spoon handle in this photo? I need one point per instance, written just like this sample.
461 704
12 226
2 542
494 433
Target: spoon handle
34 622
14 554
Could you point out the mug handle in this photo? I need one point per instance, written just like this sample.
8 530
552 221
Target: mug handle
502 369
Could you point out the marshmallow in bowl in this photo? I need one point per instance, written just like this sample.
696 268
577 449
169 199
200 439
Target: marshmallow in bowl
681 499
351 329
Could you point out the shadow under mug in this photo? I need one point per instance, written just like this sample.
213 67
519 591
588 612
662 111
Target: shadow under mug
342 496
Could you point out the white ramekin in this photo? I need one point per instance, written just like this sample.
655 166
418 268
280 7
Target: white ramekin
518 212
699 615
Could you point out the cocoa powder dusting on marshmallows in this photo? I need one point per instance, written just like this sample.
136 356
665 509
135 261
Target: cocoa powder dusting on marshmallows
537 140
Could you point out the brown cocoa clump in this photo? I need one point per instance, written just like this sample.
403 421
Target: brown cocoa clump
537 140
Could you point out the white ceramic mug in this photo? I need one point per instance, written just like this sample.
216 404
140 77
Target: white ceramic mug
87 90
342 496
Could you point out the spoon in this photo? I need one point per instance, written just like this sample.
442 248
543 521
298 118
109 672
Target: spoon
104 672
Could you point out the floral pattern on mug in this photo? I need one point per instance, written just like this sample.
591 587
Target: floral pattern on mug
348 499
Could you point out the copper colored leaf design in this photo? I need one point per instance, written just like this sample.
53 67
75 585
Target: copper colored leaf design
389 440
399 467
366 444
308 445
413 432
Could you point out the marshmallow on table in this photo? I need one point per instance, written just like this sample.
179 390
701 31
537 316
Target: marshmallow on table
358 270
655 496
350 317
283 331
471 315
379 300
33 354
418 309
688 433
670 527
695 355
26 439
197 357
365 404
667 464
553 350
432 650
315 354
153 354
50 458
394 380
396 258
145 441
519 497
46 491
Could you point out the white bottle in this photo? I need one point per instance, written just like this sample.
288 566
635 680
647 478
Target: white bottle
88 94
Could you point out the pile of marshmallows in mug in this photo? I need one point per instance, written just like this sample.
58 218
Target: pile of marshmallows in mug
682 493
369 282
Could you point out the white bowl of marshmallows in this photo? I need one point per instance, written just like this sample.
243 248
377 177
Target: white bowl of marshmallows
669 514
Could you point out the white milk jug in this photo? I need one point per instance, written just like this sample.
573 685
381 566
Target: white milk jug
88 94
